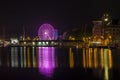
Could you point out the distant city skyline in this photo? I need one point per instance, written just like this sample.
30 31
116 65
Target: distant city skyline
62 15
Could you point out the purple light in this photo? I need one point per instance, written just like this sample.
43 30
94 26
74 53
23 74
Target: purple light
46 32
46 63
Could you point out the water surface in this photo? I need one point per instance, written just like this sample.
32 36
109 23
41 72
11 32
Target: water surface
54 63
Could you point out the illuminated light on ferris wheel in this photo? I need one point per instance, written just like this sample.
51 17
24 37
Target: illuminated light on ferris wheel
46 32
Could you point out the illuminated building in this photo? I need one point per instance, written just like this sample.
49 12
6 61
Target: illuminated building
113 31
98 31
112 28
106 31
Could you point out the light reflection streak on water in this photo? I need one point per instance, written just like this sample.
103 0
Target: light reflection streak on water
98 58
90 57
110 58
53 57
95 58
84 58
102 57
24 56
28 57
106 74
71 58
46 60
33 56
21 56
14 57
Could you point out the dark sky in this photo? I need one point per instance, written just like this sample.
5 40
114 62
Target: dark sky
63 15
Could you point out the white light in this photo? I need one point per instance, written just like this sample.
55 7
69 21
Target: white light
96 42
33 43
47 43
14 41
52 42
39 43
106 19
45 32
43 43
24 42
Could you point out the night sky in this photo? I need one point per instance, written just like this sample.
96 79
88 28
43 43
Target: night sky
63 15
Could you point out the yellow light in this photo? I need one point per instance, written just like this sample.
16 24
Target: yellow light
106 74
110 37
90 58
102 57
28 56
95 58
83 38
87 58
110 58
24 43
71 58
84 59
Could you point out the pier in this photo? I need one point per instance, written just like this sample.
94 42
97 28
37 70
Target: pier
51 43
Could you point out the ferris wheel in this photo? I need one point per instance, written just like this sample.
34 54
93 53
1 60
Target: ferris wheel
46 32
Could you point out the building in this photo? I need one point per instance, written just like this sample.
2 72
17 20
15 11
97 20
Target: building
97 32
113 31
98 29
106 30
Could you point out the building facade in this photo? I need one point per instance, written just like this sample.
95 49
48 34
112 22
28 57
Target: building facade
114 32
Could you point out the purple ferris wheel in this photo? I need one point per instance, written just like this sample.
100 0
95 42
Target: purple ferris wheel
46 32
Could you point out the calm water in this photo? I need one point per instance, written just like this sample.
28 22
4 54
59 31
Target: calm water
52 63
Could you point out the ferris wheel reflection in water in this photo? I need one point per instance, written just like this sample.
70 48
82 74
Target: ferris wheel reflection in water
46 60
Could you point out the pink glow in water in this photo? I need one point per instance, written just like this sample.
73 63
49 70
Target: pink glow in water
46 63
